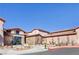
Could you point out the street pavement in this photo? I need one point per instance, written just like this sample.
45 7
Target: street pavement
63 51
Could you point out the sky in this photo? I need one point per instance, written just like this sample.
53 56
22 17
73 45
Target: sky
50 17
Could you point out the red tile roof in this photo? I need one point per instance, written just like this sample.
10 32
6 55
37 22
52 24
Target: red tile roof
34 35
64 30
60 35
18 29
39 30
73 29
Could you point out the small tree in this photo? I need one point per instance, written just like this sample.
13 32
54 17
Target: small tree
45 45
50 42
58 42
72 43
53 42
67 41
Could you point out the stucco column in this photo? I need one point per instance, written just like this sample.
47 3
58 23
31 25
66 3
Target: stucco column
22 40
1 32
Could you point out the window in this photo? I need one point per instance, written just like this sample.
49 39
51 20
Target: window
16 41
17 32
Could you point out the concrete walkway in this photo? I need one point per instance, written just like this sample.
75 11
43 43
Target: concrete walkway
35 49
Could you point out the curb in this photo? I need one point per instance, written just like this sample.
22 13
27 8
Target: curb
61 47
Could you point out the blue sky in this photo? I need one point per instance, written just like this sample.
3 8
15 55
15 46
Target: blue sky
49 17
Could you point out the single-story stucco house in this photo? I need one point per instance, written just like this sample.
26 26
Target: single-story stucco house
17 36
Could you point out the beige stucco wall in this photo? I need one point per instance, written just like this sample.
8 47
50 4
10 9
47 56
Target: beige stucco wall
30 40
77 31
34 40
49 40
73 38
62 39
55 39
